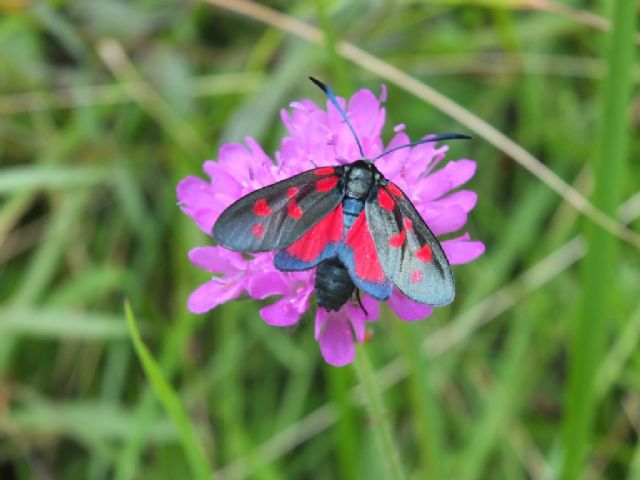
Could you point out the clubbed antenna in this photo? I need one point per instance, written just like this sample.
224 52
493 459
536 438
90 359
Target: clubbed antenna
438 138
334 100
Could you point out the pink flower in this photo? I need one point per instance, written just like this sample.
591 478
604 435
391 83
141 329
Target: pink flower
320 137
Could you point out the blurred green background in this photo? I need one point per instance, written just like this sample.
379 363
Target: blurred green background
104 106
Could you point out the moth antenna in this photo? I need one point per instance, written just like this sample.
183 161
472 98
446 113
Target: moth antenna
332 98
438 138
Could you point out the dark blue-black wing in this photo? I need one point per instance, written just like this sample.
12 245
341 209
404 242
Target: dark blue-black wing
410 255
275 216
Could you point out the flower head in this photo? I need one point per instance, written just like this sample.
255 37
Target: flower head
319 137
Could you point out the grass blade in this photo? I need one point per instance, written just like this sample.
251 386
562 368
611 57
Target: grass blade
379 420
18 179
590 326
63 324
196 457
425 403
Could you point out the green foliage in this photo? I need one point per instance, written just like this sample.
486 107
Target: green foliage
171 402
105 106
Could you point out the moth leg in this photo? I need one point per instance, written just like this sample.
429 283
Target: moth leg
360 302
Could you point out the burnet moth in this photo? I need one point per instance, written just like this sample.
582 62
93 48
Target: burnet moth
358 228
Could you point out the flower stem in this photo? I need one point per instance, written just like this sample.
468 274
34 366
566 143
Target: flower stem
379 419
426 412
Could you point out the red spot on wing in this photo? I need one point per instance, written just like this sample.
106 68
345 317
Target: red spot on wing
408 224
261 208
257 230
385 199
294 210
328 230
393 188
398 239
324 171
416 276
326 184
292 191
424 253
367 263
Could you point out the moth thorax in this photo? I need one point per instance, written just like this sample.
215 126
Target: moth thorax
334 286
359 181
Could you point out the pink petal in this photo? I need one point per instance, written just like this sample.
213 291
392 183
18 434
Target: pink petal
373 308
217 259
222 182
194 193
451 176
365 114
300 299
444 220
235 157
199 200
259 157
333 118
206 218
394 164
263 285
242 164
465 199
213 293
321 318
406 308
358 318
425 156
282 313
336 340
383 93
460 250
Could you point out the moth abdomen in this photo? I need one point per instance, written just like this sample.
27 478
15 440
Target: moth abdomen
333 284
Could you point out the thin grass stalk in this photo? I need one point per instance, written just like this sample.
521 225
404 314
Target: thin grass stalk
379 418
427 414
201 470
590 326
81 96
173 343
345 431
174 339
503 401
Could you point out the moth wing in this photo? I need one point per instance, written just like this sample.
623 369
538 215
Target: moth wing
275 216
410 254
358 253
318 243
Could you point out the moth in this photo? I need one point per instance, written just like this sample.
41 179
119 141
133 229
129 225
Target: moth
358 228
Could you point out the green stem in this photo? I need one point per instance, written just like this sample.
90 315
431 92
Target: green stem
346 429
590 327
379 419
426 411
196 457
